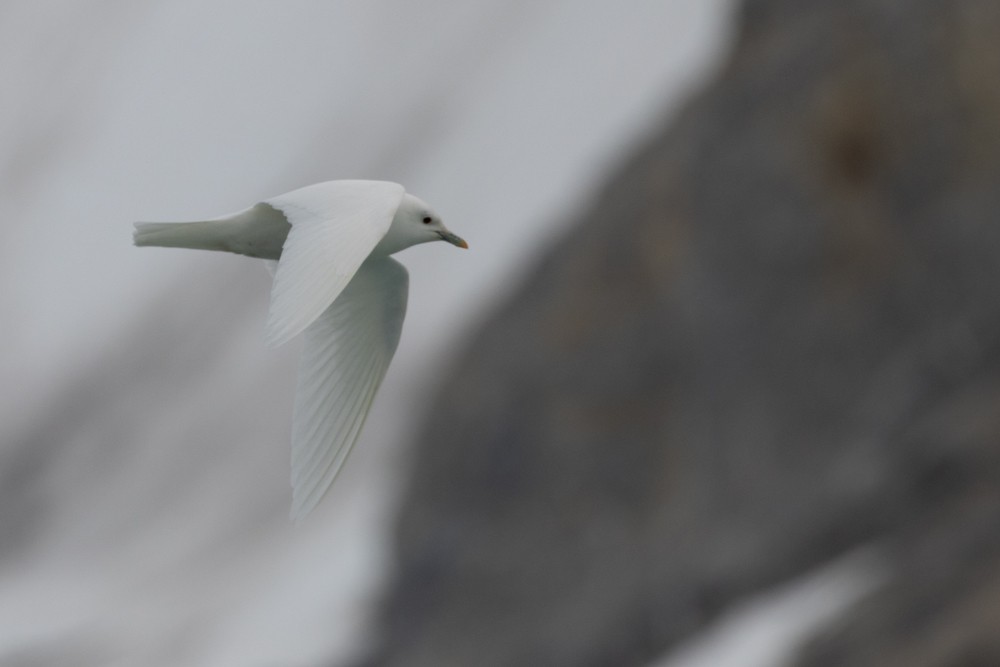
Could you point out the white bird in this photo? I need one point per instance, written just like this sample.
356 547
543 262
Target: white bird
334 281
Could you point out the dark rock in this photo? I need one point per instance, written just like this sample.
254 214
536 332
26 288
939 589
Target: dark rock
774 336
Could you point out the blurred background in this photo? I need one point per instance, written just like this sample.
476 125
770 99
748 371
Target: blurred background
718 382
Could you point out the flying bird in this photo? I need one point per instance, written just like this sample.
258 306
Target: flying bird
328 246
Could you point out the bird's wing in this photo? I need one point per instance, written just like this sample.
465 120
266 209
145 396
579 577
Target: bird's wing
334 227
344 357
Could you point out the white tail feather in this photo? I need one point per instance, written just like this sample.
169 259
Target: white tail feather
205 235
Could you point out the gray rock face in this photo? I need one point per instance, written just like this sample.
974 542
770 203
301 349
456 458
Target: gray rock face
774 336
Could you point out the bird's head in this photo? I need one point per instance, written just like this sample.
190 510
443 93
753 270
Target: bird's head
415 222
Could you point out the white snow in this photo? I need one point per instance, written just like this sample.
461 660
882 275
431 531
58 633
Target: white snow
766 630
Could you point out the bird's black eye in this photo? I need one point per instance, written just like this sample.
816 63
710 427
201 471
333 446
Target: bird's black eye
427 220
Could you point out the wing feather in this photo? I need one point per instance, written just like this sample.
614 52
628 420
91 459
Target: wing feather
334 227
345 355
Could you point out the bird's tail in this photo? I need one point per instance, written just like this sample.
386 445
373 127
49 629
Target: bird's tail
204 235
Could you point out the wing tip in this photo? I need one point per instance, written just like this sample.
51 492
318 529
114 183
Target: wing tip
297 516
272 340
277 333
301 508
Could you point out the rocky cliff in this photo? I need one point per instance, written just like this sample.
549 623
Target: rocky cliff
773 336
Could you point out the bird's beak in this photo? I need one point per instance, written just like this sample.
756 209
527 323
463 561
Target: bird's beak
453 239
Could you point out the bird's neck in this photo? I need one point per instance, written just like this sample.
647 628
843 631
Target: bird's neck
397 238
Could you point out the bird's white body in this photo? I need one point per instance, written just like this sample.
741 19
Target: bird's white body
335 282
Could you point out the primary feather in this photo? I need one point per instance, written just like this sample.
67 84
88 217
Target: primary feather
345 355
